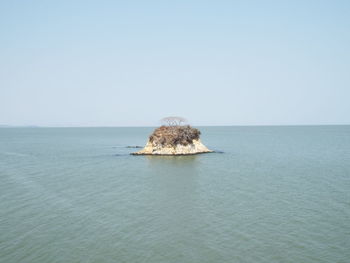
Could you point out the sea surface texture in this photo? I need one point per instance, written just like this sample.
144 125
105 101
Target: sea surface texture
270 194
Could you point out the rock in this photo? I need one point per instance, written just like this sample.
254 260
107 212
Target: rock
170 141
194 148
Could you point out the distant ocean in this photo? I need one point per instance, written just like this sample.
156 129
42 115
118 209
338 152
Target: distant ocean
270 194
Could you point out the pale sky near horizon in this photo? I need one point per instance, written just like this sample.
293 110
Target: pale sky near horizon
130 63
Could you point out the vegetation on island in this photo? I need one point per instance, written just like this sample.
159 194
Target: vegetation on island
174 133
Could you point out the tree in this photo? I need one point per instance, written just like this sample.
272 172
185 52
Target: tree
173 121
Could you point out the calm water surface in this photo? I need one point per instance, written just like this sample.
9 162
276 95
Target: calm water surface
276 194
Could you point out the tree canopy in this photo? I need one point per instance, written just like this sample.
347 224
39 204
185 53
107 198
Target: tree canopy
173 121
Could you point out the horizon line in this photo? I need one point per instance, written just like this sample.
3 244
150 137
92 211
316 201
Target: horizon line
152 126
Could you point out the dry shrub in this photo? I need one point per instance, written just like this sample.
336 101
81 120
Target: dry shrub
173 135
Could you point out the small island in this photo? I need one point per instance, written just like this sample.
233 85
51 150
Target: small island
175 138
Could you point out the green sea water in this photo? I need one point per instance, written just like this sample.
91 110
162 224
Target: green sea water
270 194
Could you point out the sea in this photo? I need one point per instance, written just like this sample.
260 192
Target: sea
268 194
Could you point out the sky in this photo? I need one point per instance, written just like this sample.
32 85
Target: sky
131 63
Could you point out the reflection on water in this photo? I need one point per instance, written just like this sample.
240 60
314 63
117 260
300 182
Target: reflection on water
175 182
175 161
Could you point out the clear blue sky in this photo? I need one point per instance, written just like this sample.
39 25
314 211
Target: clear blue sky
130 63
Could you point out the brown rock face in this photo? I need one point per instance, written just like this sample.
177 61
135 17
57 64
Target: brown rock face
174 140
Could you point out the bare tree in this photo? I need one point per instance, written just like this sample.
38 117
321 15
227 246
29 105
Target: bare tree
173 121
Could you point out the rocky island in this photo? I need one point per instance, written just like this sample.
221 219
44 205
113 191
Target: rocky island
174 139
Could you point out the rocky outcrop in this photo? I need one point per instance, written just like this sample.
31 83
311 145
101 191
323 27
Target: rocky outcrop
156 149
174 140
